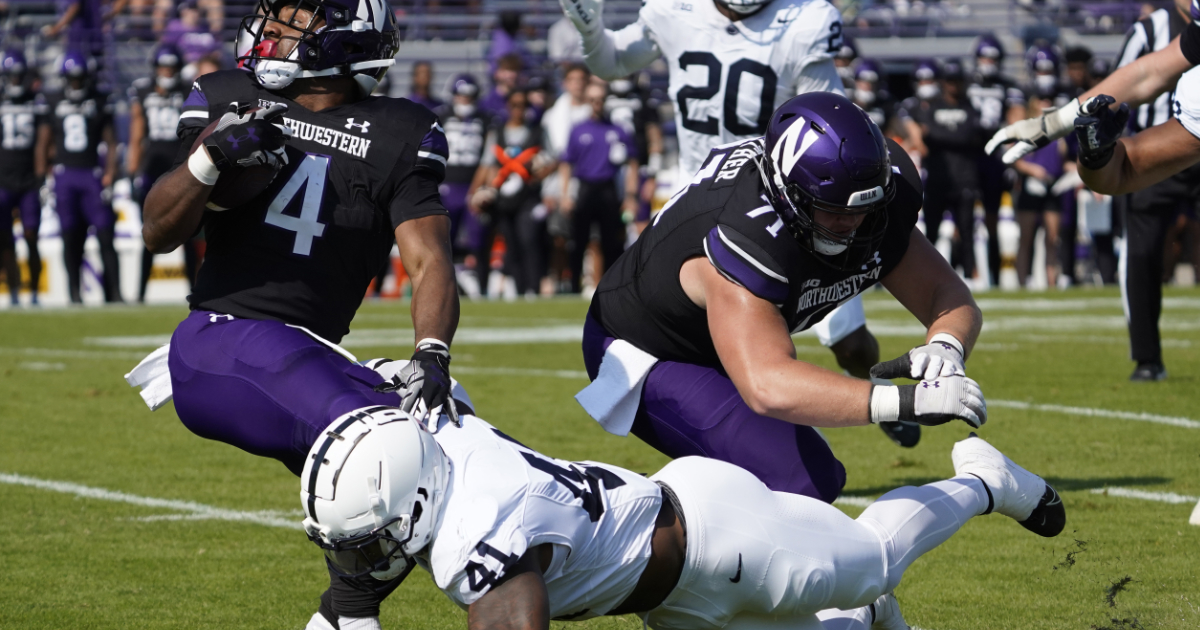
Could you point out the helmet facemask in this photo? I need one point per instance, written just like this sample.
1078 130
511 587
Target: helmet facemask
322 39
844 252
376 556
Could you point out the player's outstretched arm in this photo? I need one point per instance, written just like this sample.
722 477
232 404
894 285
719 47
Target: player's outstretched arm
519 601
1137 162
1137 83
756 350
610 54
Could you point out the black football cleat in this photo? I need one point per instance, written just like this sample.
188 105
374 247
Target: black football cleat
1149 372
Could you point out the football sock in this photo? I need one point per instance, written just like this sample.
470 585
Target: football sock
911 521
112 266
854 619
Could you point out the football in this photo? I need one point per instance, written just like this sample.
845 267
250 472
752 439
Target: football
235 186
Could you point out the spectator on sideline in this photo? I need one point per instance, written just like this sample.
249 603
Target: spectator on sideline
505 78
507 40
154 109
78 120
465 130
1035 202
505 193
422 78
192 36
631 106
24 112
596 152
955 140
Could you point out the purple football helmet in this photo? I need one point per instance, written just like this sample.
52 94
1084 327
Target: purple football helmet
76 64
989 47
927 70
464 85
355 38
868 70
848 51
824 153
167 57
13 62
1042 59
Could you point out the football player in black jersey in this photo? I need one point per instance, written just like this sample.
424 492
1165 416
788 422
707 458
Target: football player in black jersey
254 365
688 338
154 108
78 120
21 112
285 270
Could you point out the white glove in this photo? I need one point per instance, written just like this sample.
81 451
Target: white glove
942 356
930 403
1035 133
588 16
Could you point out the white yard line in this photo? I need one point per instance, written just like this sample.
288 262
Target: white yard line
60 353
1174 421
199 510
1146 495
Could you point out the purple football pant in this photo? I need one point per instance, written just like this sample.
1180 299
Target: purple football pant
77 194
694 410
27 202
263 386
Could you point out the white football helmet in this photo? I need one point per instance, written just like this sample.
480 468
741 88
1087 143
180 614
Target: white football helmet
372 489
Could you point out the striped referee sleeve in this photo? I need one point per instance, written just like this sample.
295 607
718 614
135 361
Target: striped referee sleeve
746 264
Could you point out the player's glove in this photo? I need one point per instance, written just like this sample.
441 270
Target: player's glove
249 138
424 384
942 356
930 403
586 15
1098 129
1035 133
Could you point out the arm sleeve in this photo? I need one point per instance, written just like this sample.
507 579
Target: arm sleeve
746 264
819 76
1187 101
195 113
616 54
416 196
434 151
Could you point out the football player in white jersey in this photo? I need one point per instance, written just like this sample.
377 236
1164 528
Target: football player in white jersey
732 64
517 538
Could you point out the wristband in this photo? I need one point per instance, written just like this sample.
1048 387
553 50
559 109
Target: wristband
885 403
202 167
949 340
1062 120
429 342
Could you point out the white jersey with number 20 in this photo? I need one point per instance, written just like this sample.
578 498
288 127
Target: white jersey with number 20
726 77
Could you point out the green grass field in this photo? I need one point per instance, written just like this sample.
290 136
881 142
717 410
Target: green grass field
157 543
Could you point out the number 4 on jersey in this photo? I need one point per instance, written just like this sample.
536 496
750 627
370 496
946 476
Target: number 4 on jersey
309 175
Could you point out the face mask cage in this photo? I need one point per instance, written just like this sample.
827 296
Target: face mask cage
355 559
797 207
287 14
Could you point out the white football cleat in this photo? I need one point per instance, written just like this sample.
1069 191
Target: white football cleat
1012 490
887 614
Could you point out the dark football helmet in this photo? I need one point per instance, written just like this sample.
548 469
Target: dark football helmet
13 67
78 68
1042 59
464 85
868 70
989 47
823 153
355 38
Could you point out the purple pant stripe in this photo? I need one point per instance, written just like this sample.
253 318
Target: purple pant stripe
695 410
263 387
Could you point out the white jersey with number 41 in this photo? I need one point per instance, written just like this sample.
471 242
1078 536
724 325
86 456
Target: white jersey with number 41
726 77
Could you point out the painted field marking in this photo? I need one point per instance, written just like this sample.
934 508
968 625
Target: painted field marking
1174 421
193 510
1145 495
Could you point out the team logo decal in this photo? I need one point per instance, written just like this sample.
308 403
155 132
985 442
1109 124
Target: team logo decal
362 127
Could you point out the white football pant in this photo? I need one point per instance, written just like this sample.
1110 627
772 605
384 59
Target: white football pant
760 560
841 321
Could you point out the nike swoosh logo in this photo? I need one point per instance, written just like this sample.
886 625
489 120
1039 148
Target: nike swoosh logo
738 578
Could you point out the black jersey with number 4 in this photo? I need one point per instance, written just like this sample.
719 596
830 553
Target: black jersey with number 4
19 120
304 250
78 125
724 215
